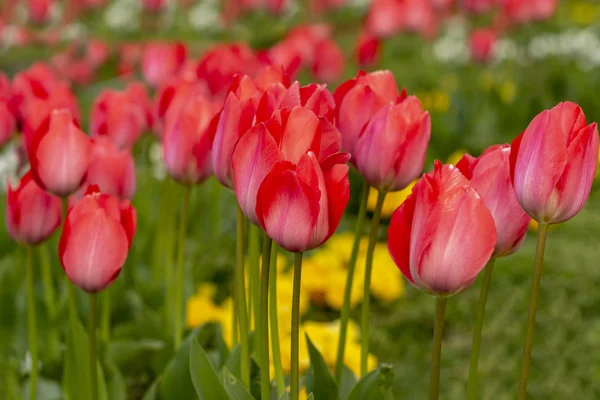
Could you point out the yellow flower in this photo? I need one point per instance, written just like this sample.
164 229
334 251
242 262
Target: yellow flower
441 101
507 92
201 309
392 200
352 358
455 157
334 296
387 283
584 13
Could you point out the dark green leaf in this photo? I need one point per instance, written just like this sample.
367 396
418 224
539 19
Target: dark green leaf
176 382
153 392
347 384
374 385
234 386
206 382
320 381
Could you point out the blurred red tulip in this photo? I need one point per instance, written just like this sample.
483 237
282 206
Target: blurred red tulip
523 11
174 94
443 235
320 6
479 6
358 99
32 215
481 43
111 169
367 49
187 141
490 176
38 81
553 163
154 5
328 65
161 61
38 11
390 152
7 123
287 136
388 17
129 58
59 153
96 239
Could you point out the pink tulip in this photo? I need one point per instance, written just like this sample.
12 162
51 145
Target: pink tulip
358 99
328 65
161 61
443 235
368 49
153 5
553 163
96 238
482 42
111 169
32 215
388 17
38 10
59 153
187 141
490 176
390 152
7 123
523 11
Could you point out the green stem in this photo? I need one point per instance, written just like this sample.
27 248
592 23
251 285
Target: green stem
254 269
295 367
31 323
277 366
438 334
366 302
105 316
178 326
265 377
216 205
476 346
533 305
50 299
92 337
169 266
71 294
345 315
240 293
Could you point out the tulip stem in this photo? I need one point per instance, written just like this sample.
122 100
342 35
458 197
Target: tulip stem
254 270
438 334
105 317
50 299
345 315
294 368
265 376
92 337
71 294
178 327
533 305
273 315
31 323
366 303
476 346
240 293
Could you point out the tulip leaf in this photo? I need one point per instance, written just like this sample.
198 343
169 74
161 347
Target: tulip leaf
76 376
284 396
233 361
176 382
347 384
153 393
311 397
373 386
46 390
319 380
206 382
235 387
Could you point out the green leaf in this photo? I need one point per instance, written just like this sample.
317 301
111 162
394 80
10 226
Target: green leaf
46 390
204 377
134 355
233 361
176 382
284 396
235 387
311 397
374 385
347 384
76 377
153 393
319 382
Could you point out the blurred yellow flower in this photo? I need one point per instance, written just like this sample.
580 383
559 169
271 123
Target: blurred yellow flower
392 200
201 309
583 13
441 101
387 283
455 157
486 80
507 92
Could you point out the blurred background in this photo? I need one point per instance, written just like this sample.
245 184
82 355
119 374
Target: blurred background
483 68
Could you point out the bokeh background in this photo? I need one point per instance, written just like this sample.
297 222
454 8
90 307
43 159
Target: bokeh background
474 102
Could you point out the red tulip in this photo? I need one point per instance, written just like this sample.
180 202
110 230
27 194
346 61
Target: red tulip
129 58
553 163
59 153
111 168
32 215
479 6
153 5
388 17
443 235
187 141
523 11
368 49
7 123
358 99
39 10
482 42
390 152
96 239
328 65
161 61
287 136
490 176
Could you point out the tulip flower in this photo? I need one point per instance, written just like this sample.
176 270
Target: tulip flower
490 176
7 123
39 10
111 169
154 6
32 215
552 167
59 153
390 152
481 44
161 60
328 64
368 49
441 237
187 141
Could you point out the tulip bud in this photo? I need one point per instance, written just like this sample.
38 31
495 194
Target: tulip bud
443 235
490 176
38 10
32 215
160 61
481 43
368 49
390 152
553 163
187 141
96 239
59 153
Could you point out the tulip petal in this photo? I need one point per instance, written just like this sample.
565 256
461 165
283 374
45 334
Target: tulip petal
301 131
399 236
338 194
